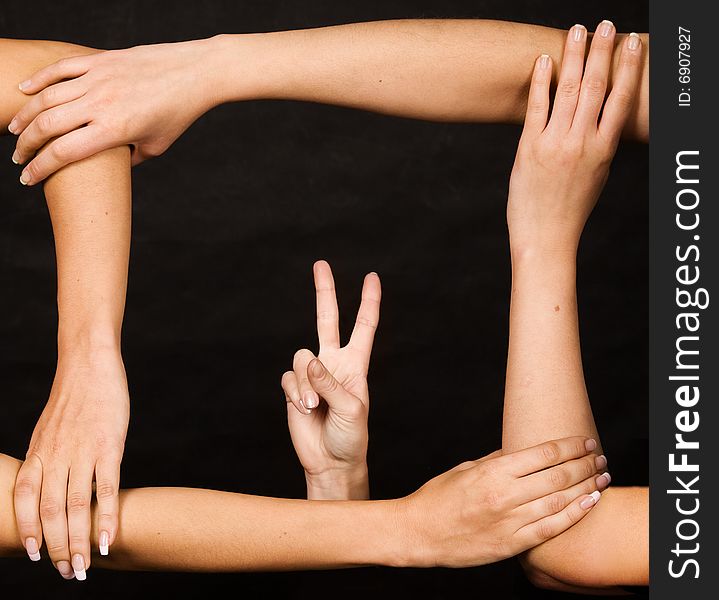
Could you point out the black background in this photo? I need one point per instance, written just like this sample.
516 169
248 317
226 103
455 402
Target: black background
226 227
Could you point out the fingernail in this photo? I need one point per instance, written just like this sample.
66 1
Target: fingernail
16 157
634 41
311 400
104 543
605 28
544 61
603 481
12 126
24 85
33 550
65 569
24 178
579 31
601 462
78 566
590 445
590 500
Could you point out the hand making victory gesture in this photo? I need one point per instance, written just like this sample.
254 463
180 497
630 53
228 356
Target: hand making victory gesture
327 395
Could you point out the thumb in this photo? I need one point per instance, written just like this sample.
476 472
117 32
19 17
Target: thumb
336 396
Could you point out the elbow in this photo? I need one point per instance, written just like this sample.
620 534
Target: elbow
537 576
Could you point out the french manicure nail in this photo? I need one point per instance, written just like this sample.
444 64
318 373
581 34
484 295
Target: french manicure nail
24 178
33 550
12 126
590 445
601 462
311 400
16 157
590 500
78 566
65 569
544 61
634 41
605 28
104 543
603 480
579 31
24 85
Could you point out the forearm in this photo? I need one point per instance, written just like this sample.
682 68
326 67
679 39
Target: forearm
89 204
443 70
90 208
545 395
184 529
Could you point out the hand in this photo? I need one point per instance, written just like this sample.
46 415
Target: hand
145 97
498 506
79 437
328 399
561 166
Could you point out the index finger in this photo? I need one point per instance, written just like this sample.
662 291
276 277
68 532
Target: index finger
367 316
548 454
65 68
328 329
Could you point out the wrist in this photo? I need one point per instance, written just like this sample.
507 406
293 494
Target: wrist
241 67
542 248
86 339
339 484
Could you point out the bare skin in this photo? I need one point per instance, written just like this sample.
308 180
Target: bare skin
479 512
561 167
80 435
441 70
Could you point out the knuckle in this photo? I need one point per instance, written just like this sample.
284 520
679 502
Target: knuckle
45 122
558 477
555 503
589 467
551 452
50 508
544 531
56 548
60 150
594 87
579 448
48 97
25 487
536 107
105 490
367 322
501 548
78 542
568 89
624 99
77 502
494 500
489 468
630 59
327 315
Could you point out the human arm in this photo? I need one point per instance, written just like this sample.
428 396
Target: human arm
81 432
328 398
434 69
559 172
479 512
